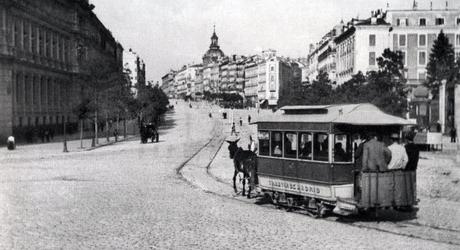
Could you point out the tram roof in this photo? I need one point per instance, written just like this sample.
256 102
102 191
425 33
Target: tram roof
353 114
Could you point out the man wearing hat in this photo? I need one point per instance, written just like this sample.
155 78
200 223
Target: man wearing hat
399 157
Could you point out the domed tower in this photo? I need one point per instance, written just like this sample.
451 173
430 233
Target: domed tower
214 53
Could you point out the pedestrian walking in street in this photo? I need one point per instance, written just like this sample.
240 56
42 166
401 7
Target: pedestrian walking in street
233 129
241 121
453 135
399 156
249 119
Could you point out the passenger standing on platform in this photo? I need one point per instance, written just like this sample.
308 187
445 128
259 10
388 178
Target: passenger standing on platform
399 157
375 155
359 153
413 154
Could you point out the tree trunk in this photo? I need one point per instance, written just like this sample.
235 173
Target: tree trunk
96 128
125 131
457 117
107 130
81 133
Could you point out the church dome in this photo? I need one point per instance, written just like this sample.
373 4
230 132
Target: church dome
214 53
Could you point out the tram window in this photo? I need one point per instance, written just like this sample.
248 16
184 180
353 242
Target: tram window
305 148
290 145
320 147
342 148
277 146
264 143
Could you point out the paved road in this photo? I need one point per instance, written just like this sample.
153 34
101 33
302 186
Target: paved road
129 196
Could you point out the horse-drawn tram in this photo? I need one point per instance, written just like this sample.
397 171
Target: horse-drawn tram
307 160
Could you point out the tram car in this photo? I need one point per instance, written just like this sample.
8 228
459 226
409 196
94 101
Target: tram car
306 160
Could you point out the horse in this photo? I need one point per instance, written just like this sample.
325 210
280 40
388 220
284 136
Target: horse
244 161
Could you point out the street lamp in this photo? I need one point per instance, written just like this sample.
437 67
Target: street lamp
65 136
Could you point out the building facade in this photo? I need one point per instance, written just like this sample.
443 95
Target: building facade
44 47
167 84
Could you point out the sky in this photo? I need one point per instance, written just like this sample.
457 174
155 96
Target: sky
167 34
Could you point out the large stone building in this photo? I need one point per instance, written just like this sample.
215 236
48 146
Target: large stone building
412 31
44 48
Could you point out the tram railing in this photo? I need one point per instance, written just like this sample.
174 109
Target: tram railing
393 188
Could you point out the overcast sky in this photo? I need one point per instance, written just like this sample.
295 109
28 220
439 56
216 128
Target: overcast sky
170 33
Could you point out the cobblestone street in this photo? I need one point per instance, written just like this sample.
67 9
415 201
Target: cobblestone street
129 196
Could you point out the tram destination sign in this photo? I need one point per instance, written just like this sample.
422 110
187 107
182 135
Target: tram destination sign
295 187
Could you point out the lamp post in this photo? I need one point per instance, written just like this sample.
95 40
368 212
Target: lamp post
65 136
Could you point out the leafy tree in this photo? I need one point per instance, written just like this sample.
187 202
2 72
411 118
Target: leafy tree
386 87
352 91
440 64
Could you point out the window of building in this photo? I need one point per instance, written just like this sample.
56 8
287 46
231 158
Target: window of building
17 42
40 42
422 40
29 121
26 90
402 40
51 120
276 144
290 145
44 120
50 92
37 120
18 89
403 53
407 22
422 76
439 21
25 36
342 148
35 92
422 58
422 22
47 44
398 22
305 146
320 147
457 55
371 58
34 39
457 39
372 40
264 143
20 122
272 68
458 20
